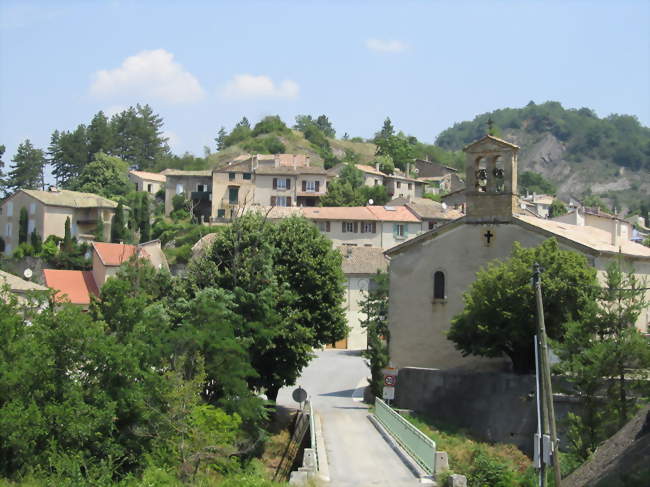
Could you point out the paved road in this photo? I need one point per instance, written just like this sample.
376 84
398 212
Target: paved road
358 455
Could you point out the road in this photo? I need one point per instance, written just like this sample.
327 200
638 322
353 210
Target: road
357 454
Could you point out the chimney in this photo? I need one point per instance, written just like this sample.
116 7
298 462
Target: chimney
294 161
307 161
377 166
254 163
408 169
616 232
276 160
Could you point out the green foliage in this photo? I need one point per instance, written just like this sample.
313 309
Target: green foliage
68 153
67 236
499 316
606 360
74 258
322 123
271 124
239 133
398 147
619 138
27 170
118 225
105 175
36 241
593 201
375 308
348 190
433 197
557 208
532 182
316 134
386 164
221 138
99 229
23 223
264 145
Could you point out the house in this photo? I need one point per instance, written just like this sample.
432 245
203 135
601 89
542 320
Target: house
150 182
540 203
78 287
47 213
437 177
20 287
595 217
369 226
195 186
430 273
372 176
430 212
399 185
285 180
360 264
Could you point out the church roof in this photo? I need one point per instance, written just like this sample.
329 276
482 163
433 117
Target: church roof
492 138
588 239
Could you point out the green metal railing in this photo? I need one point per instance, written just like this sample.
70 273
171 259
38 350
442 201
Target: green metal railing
419 446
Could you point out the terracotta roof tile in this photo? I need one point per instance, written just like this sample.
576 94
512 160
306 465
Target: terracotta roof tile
338 213
393 214
113 253
154 176
362 260
74 286
369 169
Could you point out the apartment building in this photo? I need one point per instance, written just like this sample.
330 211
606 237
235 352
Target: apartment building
48 210
195 186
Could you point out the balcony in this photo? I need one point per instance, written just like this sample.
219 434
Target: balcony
201 195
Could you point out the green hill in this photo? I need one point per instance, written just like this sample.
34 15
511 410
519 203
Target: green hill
578 151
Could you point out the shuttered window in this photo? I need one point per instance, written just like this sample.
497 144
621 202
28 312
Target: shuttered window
439 285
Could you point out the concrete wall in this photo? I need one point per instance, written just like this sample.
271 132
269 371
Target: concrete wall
356 288
188 184
495 407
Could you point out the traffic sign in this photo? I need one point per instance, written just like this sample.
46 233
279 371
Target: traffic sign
388 393
299 395
390 380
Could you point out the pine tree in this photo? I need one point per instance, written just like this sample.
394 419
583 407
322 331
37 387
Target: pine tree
67 237
27 171
23 222
387 130
100 136
221 138
244 123
68 153
118 229
99 229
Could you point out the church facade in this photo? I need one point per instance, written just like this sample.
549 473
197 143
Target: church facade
430 273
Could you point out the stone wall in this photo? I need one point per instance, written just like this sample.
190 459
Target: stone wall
492 406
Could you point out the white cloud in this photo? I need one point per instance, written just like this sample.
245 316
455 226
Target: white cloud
248 86
148 73
379 45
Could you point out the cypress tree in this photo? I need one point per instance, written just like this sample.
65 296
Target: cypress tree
67 236
145 219
36 241
99 230
22 225
118 231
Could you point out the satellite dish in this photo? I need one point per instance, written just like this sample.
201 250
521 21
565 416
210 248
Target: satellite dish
444 205
370 201
28 273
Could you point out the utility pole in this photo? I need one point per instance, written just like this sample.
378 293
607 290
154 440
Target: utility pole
546 374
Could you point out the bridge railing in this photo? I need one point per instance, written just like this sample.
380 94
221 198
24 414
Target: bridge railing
419 446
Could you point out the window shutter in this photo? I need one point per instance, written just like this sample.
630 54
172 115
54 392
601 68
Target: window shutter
327 226
275 183
395 229
288 183
343 227
304 186
363 224
273 198
317 186
406 230
356 227
374 227
288 199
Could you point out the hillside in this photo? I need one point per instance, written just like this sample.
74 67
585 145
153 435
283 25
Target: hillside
575 149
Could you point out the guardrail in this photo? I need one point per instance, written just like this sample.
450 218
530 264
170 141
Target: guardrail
419 446
312 431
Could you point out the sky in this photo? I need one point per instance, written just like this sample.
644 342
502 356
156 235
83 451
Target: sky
205 64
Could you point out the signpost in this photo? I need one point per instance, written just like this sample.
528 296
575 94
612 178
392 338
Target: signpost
299 395
390 381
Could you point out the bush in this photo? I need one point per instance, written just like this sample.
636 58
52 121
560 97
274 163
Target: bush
270 125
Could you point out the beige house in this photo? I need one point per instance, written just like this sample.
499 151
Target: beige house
432 213
195 186
149 182
429 273
360 264
365 226
539 203
285 180
594 217
400 186
48 210
20 287
372 176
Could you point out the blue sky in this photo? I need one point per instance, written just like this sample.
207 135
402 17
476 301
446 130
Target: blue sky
203 64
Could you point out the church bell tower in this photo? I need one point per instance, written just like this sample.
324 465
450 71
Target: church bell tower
490 180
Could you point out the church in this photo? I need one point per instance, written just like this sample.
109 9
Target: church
430 273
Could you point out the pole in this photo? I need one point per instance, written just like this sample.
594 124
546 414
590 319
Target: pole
542 418
546 373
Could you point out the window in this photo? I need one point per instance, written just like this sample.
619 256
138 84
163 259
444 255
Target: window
350 227
149 188
324 226
8 228
233 195
10 208
281 183
309 186
400 230
376 182
8 248
398 184
410 185
247 176
221 213
439 285
369 227
200 188
32 208
179 188
231 176
280 200
30 227
432 225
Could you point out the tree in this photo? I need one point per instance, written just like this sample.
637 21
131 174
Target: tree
606 360
387 130
221 139
532 182
99 135
325 126
67 236
23 224
499 314
239 133
271 124
375 308
99 229
36 241
557 208
105 175
68 154
144 225
27 171
118 227
3 182
398 148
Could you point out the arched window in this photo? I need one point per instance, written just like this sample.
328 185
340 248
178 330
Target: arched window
439 285
499 173
481 174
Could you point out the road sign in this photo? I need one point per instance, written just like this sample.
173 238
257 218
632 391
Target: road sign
388 393
390 380
299 395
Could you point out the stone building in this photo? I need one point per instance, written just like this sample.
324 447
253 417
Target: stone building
430 273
